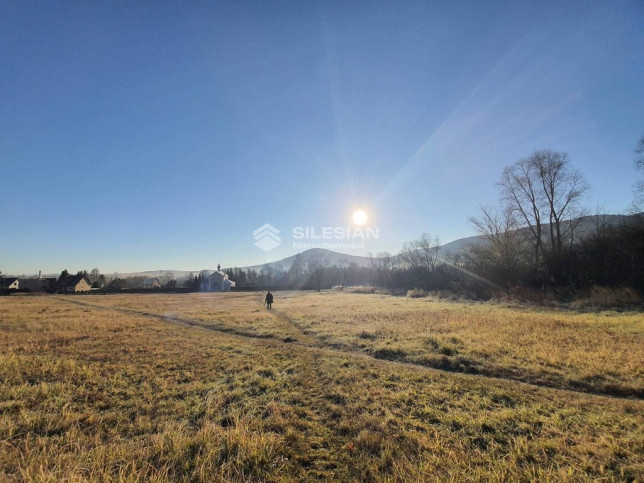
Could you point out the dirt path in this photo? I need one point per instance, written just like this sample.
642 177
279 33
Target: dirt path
311 343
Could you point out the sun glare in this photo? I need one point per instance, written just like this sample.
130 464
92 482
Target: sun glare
360 217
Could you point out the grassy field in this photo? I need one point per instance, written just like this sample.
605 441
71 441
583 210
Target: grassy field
213 387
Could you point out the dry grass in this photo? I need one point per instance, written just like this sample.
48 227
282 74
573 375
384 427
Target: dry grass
105 394
598 352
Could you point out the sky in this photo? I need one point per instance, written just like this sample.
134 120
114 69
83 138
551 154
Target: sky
159 135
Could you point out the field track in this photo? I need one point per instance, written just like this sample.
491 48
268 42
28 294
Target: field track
309 342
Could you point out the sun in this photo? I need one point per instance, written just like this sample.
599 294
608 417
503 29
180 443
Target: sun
360 217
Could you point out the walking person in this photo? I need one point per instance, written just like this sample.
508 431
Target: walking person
269 300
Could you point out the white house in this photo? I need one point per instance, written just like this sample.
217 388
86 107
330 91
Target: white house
217 281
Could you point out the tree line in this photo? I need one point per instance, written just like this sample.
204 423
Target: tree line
533 237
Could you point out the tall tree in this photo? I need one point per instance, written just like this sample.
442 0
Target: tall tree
317 265
520 195
94 274
563 189
544 194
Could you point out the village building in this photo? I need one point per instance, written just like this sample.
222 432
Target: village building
37 284
217 281
151 283
74 284
9 283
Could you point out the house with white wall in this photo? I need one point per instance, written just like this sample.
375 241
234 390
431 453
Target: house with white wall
217 281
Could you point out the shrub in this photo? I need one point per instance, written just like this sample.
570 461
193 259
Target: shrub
416 293
363 290
609 297
526 294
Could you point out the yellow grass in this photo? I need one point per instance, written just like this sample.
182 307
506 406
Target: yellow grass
597 352
216 388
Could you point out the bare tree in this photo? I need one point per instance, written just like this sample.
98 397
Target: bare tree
521 199
383 265
381 261
421 253
342 269
563 190
505 246
317 266
543 194
500 230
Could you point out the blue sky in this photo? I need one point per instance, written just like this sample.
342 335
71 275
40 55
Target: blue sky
159 135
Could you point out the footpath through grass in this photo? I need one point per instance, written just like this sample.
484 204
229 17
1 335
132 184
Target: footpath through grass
592 352
101 394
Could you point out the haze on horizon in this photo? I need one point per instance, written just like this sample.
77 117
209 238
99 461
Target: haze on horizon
137 138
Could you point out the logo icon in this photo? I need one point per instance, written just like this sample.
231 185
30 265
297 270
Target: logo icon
266 237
